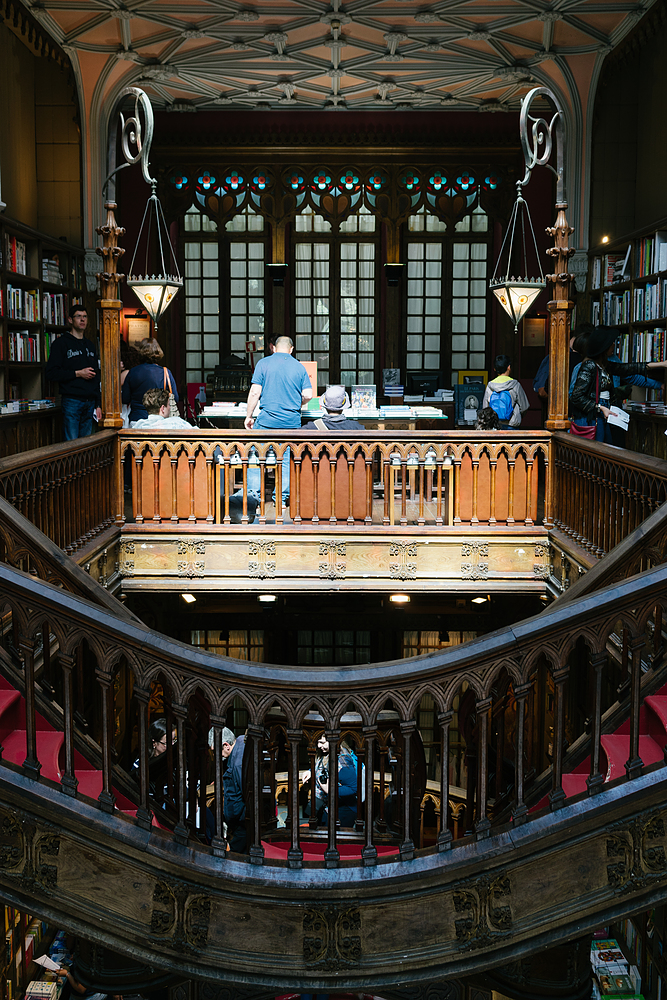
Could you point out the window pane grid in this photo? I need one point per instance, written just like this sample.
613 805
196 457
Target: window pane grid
424 305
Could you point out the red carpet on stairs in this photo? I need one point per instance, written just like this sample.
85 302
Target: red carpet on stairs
50 748
616 747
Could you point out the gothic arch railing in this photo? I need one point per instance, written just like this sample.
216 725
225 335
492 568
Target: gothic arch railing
201 693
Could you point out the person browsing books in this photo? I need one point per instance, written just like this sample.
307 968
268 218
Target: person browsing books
333 401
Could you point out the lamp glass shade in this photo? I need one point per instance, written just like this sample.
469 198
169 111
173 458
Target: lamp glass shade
155 293
516 297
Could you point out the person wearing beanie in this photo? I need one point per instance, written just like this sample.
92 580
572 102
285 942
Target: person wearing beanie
333 401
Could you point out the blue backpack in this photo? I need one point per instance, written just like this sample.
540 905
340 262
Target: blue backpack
502 403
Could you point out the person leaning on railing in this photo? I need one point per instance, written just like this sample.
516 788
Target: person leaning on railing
591 394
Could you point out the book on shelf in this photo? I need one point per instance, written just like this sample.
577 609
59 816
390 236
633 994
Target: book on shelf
611 260
23 304
54 308
16 255
651 254
51 270
596 273
25 345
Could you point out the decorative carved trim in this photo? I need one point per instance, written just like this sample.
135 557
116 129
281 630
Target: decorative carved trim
28 855
403 570
332 569
332 938
262 568
636 860
195 547
483 921
180 916
475 569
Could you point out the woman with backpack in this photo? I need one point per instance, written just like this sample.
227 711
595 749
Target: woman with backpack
504 394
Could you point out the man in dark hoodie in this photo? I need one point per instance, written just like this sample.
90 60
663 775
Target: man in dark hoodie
75 364
505 395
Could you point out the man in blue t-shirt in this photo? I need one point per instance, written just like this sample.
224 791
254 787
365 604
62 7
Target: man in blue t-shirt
280 384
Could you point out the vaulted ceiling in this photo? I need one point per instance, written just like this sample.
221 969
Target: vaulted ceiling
362 54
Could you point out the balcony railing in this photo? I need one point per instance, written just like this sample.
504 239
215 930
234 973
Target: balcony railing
427 480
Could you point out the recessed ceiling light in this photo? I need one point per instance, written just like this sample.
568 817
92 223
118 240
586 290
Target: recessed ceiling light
479 600
188 598
399 598
267 598
605 239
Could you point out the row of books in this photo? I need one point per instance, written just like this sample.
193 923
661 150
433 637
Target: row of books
615 308
651 254
650 302
54 308
642 345
24 345
22 304
610 269
15 253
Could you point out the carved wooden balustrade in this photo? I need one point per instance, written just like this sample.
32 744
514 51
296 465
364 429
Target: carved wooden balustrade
494 687
603 493
382 477
65 489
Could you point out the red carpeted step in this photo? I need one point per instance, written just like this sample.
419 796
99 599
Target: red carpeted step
656 705
617 748
314 850
49 744
90 783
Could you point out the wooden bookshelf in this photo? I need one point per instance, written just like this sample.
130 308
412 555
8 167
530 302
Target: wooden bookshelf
627 286
40 279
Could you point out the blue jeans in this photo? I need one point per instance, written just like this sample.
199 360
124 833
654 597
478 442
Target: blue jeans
77 417
255 479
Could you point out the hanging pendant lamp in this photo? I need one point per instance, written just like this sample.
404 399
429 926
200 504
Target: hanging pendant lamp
155 291
517 294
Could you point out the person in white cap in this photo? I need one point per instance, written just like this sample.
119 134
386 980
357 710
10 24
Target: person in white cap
333 401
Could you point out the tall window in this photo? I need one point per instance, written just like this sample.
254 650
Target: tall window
446 297
335 297
224 289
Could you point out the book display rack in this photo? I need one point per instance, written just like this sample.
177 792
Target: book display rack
628 287
40 279
25 938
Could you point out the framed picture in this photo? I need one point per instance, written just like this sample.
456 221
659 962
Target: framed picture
534 331
138 328
469 378
468 399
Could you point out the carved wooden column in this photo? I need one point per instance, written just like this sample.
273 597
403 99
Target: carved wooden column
256 734
144 813
218 842
520 810
369 852
634 763
295 854
560 311
482 824
110 307
557 795
31 764
444 840
595 780
68 781
332 854
407 848
180 714
106 798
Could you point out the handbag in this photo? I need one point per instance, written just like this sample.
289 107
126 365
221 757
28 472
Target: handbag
173 405
588 430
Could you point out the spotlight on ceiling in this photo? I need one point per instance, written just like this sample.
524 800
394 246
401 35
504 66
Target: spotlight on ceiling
399 598
188 598
605 239
267 598
479 600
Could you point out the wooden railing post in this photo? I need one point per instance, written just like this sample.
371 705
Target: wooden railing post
106 798
520 810
557 795
482 823
144 814
294 854
180 714
634 763
444 841
218 841
407 847
595 780
68 781
256 734
369 852
332 854
31 764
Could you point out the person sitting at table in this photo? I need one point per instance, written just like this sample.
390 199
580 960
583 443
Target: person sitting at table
333 401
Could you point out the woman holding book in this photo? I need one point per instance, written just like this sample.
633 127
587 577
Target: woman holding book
592 391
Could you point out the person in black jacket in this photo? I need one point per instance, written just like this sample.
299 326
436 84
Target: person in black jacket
234 804
75 364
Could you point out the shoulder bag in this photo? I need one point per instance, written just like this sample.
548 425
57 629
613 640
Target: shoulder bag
588 430
173 405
